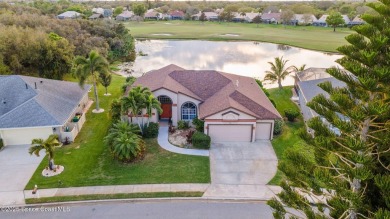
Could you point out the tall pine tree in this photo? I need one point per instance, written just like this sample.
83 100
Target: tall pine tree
348 173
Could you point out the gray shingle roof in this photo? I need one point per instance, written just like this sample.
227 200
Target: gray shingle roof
310 89
50 104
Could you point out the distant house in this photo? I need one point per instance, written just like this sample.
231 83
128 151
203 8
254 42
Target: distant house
237 17
107 12
152 15
210 16
306 85
69 15
304 19
271 18
249 16
96 16
176 15
322 21
125 16
356 21
37 107
98 10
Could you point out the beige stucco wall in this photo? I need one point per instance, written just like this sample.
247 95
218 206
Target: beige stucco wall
221 116
24 135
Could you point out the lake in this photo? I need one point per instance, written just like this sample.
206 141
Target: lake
242 58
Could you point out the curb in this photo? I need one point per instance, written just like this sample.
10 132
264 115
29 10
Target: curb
139 200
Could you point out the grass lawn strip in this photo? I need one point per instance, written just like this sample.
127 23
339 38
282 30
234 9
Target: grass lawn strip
308 37
113 196
88 162
288 137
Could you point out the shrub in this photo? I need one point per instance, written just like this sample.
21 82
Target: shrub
116 110
199 124
201 140
151 131
278 126
182 124
1 143
291 114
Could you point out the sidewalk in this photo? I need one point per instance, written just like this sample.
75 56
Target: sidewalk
164 143
119 189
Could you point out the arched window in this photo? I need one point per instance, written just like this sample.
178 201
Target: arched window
188 111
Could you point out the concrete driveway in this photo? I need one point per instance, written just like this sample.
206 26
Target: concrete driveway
241 170
16 169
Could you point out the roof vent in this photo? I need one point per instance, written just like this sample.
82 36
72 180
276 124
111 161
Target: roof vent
35 85
3 101
237 83
26 86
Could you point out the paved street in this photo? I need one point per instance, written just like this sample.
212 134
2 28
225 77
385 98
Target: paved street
145 210
16 169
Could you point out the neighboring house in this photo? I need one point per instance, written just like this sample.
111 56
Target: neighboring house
322 21
237 17
36 108
210 16
96 16
125 16
152 15
107 13
356 21
69 15
271 18
307 88
304 19
233 107
98 10
249 16
176 15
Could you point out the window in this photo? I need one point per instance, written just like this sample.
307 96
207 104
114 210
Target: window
188 111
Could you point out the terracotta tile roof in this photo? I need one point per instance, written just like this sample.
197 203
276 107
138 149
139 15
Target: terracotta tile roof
217 91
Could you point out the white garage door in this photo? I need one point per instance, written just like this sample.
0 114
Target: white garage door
228 133
263 131
25 136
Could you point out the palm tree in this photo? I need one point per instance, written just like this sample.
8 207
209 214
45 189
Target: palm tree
124 141
105 80
91 66
48 145
278 72
152 103
135 102
296 70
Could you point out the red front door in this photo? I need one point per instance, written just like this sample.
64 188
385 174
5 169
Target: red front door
166 111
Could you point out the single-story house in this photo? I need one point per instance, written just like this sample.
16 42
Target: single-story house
304 19
152 15
176 15
271 18
322 20
69 15
307 88
96 16
125 16
238 17
233 107
250 15
107 12
36 108
210 16
98 10
356 21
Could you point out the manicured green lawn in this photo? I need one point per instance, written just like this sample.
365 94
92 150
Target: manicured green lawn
113 196
308 37
288 137
88 162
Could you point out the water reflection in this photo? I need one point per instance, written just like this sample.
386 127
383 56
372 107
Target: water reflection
242 58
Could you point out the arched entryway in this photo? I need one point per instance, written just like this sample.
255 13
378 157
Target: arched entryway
166 106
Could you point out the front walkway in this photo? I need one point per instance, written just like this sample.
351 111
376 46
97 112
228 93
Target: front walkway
242 170
16 169
164 143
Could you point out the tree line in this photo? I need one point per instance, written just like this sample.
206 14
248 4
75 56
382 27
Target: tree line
32 43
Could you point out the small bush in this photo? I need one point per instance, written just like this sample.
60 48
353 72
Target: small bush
1 143
201 140
151 131
278 127
116 110
182 124
291 114
199 124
